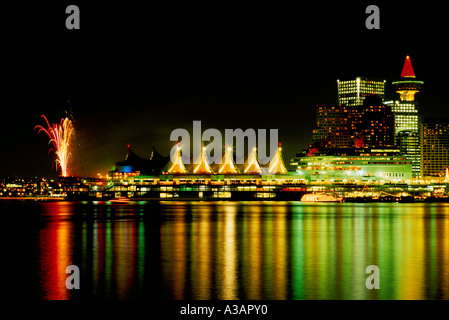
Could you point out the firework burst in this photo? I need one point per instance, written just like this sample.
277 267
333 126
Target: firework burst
60 136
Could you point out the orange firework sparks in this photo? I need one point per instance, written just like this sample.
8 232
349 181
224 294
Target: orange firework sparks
60 136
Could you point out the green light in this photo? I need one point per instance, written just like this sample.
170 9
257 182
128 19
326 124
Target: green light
409 81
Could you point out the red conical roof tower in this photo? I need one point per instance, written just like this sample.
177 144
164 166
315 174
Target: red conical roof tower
407 87
407 70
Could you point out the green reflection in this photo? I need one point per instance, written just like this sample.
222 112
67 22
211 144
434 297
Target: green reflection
108 257
297 253
268 256
305 251
140 254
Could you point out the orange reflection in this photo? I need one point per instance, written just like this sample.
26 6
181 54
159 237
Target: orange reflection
443 249
315 251
55 242
173 250
280 254
125 256
201 253
254 253
228 258
410 259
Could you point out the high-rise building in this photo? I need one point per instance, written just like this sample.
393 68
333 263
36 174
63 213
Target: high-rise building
408 142
370 125
405 112
333 129
434 147
353 92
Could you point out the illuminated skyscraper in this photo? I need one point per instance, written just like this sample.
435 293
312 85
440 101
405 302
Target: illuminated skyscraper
435 147
354 92
370 125
406 116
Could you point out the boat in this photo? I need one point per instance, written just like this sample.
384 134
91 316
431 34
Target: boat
120 200
320 197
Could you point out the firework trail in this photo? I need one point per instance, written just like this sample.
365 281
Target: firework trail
60 136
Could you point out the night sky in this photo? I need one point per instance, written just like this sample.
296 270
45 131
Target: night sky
134 72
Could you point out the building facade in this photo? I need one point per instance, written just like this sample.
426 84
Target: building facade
406 117
434 147
355 169
370 125
354 91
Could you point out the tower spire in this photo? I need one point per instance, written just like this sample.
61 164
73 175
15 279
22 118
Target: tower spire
407 87
407 70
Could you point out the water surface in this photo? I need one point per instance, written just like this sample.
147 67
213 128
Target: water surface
225 250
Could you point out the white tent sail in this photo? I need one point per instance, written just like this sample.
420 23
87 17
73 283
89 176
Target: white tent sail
228 165
277 165
177 164
203 167
252 165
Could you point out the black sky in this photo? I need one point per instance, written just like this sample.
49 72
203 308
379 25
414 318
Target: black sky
134 71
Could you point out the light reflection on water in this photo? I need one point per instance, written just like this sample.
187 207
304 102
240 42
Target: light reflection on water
242 250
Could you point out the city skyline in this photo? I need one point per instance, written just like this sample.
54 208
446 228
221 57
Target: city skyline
138 95
387 85
171 152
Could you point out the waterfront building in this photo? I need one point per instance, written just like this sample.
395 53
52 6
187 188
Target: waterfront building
408 142
373 124
370 125
11 187
355 169
434 147
333 128
135 163
406 117
174 181
353 144
353 92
